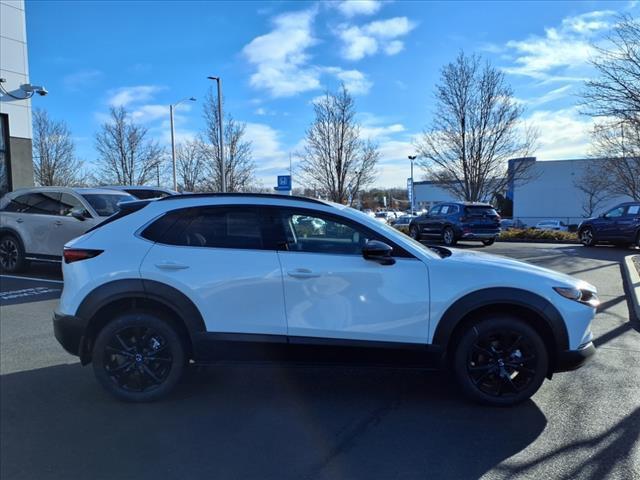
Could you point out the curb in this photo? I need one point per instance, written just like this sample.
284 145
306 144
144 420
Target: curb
633 283
524 240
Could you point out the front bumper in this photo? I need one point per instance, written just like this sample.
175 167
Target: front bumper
69 331
573 359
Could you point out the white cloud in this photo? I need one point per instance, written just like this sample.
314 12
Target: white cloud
361 41
550 96
381 131
354 80
564 133
81 79
351 8
280 56
266 146
150 112
125 96
561 50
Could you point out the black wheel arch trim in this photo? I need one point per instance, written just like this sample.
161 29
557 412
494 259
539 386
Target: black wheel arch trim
14 233
125 289
496 296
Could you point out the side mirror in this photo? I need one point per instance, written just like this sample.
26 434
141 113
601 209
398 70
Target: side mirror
79 214
378 252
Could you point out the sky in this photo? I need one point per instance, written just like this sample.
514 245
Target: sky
275 58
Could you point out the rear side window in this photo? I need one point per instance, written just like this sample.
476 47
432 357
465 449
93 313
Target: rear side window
633 210
106 205
212 227
43 203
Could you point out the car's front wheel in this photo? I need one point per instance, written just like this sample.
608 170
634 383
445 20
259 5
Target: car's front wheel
138 357
414 232
500 361
586 237
449 237
11 254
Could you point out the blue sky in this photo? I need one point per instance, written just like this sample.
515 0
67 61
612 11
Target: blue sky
276 57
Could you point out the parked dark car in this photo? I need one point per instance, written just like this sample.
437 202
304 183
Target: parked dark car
620 225
455 221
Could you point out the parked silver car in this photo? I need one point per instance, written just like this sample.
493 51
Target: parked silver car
142 192
35 223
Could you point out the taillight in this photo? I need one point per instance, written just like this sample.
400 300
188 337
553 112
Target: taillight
76 254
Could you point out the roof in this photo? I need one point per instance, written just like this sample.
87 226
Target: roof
79 190
190 196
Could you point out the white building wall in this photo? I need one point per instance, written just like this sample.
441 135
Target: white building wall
552 194
14 66
427 194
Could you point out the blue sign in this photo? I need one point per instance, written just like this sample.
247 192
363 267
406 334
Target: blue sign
284 183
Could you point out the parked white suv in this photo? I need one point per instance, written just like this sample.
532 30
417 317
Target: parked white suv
262 277
35 223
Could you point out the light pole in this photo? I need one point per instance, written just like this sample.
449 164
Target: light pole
413 191
223 174
173 141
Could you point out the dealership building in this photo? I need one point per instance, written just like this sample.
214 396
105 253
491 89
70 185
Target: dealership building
16 166
551 193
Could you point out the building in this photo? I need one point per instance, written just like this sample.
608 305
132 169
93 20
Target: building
550 193
16 166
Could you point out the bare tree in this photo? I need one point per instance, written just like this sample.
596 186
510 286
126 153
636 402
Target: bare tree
594 187
476 128
614 97
190 166
126 156
238 161
54 158
336 161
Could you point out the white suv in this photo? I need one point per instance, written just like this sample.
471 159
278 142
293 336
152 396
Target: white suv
210 277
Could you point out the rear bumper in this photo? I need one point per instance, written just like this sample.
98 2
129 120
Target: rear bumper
69 331
573 359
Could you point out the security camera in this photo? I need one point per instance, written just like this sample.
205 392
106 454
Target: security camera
42 91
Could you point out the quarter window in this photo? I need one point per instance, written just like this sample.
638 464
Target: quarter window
633 210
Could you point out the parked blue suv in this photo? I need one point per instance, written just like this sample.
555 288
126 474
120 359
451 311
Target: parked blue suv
453 221
620 225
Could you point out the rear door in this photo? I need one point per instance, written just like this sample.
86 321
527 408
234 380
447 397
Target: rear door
65 226
38 220
218 257
629 223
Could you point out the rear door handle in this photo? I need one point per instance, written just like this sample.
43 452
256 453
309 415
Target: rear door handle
58 222
302 273
171 266
19 220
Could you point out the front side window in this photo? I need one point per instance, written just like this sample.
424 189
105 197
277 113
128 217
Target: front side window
68 203
317 233
615 213
106 204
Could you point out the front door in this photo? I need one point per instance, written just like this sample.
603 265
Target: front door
218 258
607 226
65 227
331 291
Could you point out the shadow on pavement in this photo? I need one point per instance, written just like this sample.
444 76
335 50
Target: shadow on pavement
257 422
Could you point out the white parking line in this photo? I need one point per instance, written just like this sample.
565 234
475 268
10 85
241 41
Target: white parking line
31 278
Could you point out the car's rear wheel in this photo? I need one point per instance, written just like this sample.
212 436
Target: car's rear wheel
637 242
138 357
500 361
414 232
11 254
586 237
489 242
449 237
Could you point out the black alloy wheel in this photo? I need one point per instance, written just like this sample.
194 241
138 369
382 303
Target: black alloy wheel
449 237
501 361
138 357
11 254
414 232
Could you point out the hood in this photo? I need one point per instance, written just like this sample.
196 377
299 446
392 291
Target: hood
497 263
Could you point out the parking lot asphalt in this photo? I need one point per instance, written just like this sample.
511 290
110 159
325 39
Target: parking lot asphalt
283 422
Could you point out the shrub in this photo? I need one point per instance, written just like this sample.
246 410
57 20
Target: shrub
534 235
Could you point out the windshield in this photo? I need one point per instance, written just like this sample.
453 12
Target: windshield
393 233
106 204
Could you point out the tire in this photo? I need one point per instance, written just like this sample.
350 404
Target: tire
138 357
414 232
488 243
12 254
587 238
637 242
488 355
449 237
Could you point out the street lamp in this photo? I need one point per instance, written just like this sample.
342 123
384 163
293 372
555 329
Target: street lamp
173 141
412 158
223 174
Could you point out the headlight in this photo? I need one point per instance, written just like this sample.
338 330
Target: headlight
583 296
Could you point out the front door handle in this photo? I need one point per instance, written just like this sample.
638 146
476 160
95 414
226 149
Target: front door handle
302 273
58 222
19 220
171 266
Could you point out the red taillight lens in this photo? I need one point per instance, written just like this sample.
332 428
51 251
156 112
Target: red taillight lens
76 254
